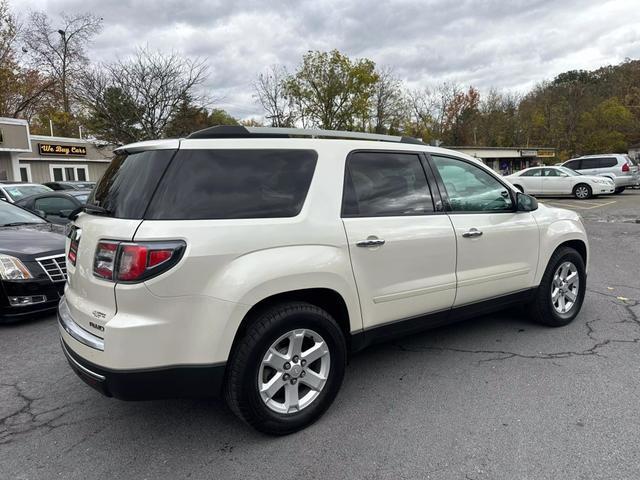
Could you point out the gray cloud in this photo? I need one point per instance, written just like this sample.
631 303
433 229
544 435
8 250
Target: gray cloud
491 43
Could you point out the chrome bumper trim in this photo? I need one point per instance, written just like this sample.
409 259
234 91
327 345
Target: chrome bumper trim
84 369
75 330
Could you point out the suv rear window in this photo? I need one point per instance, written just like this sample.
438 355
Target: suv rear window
227 184
128 184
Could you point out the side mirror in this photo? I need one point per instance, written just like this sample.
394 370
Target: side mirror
526 203
65 213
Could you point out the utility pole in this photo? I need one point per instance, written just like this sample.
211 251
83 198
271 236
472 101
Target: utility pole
65 98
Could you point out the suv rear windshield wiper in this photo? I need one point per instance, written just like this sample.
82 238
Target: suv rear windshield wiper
94 209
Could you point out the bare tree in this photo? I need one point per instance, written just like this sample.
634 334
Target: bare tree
9 29
269 91
61 52
141 93
387 102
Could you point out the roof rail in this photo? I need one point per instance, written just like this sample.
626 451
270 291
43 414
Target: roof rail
238 131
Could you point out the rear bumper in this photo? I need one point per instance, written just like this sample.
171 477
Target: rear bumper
142 384
626 180
172 382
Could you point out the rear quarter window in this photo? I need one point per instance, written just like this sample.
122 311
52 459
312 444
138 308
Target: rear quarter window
233 184
607 162
126 187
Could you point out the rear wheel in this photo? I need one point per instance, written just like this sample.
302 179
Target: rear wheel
561 292
287 368
582 191
619 190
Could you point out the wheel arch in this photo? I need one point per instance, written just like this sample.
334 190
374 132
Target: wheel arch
326 298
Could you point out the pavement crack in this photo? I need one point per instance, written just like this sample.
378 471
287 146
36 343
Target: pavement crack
26 419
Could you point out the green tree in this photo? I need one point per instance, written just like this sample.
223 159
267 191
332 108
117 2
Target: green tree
605 128
221 117
188 118
332 91
114 117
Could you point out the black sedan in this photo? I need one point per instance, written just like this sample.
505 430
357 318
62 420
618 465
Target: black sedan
55 206
32 264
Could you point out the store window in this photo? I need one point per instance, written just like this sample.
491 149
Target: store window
69 173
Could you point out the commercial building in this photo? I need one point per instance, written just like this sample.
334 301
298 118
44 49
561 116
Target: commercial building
507 160
38 158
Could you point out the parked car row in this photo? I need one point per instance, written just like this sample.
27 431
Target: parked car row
52 200
582 177
32 263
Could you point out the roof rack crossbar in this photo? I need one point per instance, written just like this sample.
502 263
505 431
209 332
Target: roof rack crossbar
225 131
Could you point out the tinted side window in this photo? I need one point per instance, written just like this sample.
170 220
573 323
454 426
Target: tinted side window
607 162
573 164
53 205
126 187
591 163
534 172
470 188
225 184
385 184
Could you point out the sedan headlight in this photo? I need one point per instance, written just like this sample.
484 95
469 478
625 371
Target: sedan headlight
11 268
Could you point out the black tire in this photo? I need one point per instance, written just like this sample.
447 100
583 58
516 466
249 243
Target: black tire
580 186
619 190
519 187
241 384
542 309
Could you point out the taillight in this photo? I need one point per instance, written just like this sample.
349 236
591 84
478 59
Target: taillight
135 262
73 252
105 259
625 167
74 237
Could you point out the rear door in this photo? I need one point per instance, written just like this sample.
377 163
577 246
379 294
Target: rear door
124 190
403 250
592 166
497 246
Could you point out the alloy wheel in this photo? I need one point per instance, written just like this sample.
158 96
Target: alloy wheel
293 371
565 287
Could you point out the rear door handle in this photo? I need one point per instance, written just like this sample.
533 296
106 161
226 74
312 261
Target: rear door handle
371 241
472 232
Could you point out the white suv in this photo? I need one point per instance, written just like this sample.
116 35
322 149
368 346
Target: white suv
618 167
246 262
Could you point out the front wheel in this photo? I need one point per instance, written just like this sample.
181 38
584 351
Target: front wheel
286 370
619 190
582 191
561 292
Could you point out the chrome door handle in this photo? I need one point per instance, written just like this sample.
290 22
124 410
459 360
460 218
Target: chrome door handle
371 241
472 232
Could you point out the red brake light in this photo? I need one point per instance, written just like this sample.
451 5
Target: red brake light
625 167
156 257
135 262
103 264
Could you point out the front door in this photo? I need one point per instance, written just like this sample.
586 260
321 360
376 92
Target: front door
497 246
555 182
403 251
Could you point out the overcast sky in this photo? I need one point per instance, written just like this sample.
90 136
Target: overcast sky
509 44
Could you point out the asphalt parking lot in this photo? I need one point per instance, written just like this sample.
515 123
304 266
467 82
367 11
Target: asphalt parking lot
495 397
